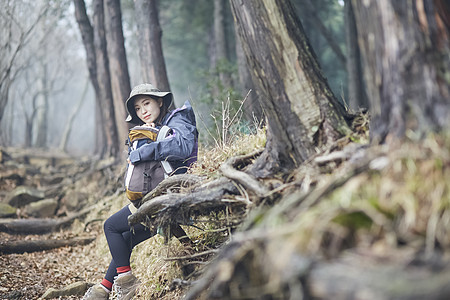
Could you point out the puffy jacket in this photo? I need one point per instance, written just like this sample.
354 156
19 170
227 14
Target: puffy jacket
180 148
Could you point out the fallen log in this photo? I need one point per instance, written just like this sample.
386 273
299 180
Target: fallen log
38 226
41 245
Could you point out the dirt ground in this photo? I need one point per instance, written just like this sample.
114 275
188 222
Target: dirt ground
29 275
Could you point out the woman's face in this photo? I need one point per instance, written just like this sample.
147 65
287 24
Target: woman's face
148 109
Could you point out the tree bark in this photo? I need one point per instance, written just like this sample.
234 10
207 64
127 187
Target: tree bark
252 107
301 110
153 66
357 97
118 66
405 47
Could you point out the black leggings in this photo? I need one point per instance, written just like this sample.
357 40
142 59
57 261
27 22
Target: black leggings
122 239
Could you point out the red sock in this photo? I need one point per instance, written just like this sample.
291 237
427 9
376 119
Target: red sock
106 284
123 269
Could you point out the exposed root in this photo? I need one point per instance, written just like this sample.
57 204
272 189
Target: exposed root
249 182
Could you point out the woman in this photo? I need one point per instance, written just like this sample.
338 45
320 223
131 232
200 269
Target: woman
149 107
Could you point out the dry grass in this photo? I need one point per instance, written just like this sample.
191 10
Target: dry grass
406 202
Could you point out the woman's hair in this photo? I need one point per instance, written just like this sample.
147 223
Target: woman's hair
163 111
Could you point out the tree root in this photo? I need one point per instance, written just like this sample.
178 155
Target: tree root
173 182
255 266
180 208
250 183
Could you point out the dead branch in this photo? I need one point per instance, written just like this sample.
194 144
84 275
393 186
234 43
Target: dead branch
41 245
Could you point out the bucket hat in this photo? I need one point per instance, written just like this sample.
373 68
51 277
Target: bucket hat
149 90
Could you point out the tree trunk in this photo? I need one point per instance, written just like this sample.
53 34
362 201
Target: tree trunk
301 110
252 107
97 61
42 109
405 47
104 81
118 66
87 35
68 127
153 66
357 97
220 43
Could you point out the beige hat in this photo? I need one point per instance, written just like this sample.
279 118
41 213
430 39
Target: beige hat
145 89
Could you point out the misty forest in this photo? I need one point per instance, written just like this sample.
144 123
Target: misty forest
323 168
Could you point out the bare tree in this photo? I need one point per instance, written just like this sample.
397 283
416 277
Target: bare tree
15 34
302 112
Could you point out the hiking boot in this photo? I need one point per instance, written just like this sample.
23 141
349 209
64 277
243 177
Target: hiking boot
96 292
125 286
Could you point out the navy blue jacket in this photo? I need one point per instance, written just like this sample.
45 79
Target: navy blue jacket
180 148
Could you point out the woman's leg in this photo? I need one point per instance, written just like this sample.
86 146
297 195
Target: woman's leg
121 240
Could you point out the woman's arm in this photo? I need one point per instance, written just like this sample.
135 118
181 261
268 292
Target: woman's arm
178 146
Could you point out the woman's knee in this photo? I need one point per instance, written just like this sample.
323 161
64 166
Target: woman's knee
108 225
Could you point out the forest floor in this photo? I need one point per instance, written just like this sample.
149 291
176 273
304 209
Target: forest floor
29 275
378 202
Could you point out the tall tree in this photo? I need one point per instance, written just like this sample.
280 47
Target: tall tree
118 66
94 40
153 66
407 66
111 147
220 53
87 35
357 97
302 112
